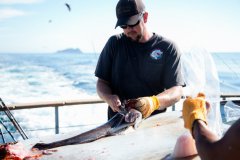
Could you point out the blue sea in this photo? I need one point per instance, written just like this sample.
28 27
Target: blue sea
26 78
228 68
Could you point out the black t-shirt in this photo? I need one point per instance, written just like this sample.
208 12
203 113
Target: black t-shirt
139 69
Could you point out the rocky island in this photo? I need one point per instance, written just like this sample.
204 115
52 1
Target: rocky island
70 50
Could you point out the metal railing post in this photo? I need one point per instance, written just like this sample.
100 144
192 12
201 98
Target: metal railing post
56 120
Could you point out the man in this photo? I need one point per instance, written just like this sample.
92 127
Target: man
208 145
138 65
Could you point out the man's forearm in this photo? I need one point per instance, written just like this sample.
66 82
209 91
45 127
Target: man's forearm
103 89
170 96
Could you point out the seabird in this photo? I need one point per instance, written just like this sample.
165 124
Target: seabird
68 6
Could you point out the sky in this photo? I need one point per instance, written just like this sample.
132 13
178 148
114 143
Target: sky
46 26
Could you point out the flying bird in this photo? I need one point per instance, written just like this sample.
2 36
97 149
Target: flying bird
68 6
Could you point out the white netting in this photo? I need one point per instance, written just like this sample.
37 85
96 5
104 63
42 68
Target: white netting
200 75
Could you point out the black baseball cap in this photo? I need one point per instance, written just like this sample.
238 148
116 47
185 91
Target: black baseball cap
129 12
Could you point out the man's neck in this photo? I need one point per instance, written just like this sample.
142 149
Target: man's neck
146 36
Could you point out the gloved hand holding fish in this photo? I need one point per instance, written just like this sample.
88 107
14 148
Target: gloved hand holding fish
146 105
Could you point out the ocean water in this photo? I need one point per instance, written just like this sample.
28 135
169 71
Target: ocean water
228 68
28 78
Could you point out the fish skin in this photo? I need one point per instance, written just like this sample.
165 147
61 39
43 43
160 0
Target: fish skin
115 125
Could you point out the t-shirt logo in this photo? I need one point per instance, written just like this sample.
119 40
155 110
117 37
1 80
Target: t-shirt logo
156 54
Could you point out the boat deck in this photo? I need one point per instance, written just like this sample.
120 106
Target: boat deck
154 139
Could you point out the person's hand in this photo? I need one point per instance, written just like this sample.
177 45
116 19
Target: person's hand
114 102
146 105
133 116
193 109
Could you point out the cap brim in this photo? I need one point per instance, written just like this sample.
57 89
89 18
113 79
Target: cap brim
128 20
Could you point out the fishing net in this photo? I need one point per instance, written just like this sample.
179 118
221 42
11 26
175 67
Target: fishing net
200 75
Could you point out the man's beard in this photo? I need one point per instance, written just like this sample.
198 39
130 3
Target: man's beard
135 39
138 38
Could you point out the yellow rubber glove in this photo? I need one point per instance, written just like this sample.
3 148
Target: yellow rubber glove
146 105
193 109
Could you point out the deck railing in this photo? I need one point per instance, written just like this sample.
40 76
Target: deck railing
57 104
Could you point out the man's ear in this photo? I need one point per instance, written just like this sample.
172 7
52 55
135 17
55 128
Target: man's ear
145 17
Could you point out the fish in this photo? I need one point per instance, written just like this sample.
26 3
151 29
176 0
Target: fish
117 124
